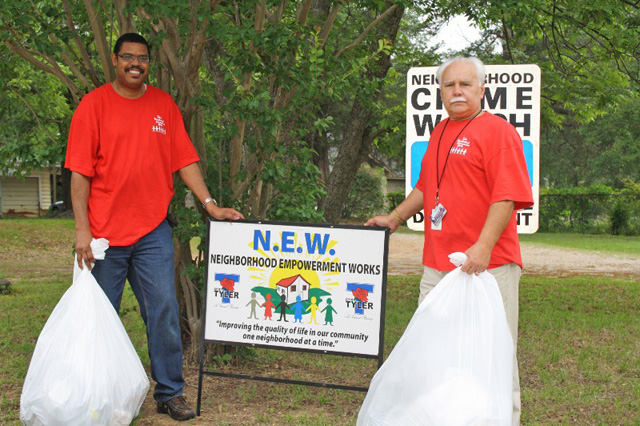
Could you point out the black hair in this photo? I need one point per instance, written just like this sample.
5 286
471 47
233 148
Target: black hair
130 38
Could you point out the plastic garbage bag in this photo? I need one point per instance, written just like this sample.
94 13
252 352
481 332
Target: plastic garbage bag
84 370
454 363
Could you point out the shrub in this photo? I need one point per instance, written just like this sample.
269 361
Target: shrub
365 196
394 198
619 218
594 209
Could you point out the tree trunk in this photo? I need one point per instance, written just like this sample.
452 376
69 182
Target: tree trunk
357 141
66 187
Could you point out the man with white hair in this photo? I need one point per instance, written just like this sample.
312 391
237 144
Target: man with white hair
473 179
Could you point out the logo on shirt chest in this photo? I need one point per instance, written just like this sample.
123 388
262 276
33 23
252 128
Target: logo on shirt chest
159 126
460 147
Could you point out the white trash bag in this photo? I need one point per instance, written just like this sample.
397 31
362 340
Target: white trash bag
84 369
454 363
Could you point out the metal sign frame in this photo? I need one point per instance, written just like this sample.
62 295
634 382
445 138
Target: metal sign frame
380 349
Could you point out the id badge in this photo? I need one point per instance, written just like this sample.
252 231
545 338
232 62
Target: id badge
436 217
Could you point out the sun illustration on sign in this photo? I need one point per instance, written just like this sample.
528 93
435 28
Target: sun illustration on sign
309 268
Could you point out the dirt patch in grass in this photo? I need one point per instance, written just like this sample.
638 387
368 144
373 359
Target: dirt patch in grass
227 401
35 247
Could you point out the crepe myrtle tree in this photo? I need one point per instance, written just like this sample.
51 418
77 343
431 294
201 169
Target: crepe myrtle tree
267 66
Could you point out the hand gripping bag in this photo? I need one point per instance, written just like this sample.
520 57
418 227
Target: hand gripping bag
454 363
84 370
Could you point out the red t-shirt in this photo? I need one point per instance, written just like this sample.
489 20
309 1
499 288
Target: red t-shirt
486 164
130 149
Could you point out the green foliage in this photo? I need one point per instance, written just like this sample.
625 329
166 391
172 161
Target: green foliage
42 31
592 209
606 150
587 53
585 50
289 75
619 218
365 196
34 118
394 198
297 191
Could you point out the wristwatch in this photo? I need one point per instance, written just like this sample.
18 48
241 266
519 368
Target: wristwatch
208 200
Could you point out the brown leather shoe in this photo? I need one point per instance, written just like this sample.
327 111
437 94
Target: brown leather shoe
177 408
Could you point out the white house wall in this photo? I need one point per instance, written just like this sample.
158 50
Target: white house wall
20 197
29 196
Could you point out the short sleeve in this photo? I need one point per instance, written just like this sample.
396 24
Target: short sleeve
83 142
507 173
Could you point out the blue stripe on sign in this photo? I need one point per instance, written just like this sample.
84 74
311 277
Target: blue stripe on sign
418 149
355 286
527 147
232 277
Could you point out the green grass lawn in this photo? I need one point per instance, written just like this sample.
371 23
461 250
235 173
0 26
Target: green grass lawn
23 313
608 243
578 349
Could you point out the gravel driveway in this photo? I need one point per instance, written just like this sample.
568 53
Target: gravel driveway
405 256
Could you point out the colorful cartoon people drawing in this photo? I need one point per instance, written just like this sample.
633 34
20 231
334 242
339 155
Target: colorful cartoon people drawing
253 302
298 309
283 307
313 307
328 316
268 306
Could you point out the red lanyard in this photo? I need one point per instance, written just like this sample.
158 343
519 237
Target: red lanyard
440 176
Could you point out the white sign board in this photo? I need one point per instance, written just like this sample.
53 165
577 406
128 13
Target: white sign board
305 287
511 91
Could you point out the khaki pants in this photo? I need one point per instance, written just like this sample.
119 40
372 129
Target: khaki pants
508 277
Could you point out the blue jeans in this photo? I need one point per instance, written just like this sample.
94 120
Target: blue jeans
148 265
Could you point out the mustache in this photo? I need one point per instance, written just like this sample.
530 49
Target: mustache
133 67
458 99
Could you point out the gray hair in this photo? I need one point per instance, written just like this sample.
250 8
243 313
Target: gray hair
473 60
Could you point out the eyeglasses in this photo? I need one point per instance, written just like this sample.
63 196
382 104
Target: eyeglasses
127 57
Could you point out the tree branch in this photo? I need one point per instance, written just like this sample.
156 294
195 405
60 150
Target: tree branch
367 30
634 5
505 31
29 57
328 24
86 59
177 70
303 12
100 38
72 66
125 23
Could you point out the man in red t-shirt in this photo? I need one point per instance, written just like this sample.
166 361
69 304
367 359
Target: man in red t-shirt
473 179
125 142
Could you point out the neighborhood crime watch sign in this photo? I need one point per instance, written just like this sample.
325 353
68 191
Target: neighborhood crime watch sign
511 92
316 288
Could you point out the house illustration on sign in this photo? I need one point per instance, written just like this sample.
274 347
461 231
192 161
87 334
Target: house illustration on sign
292 287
